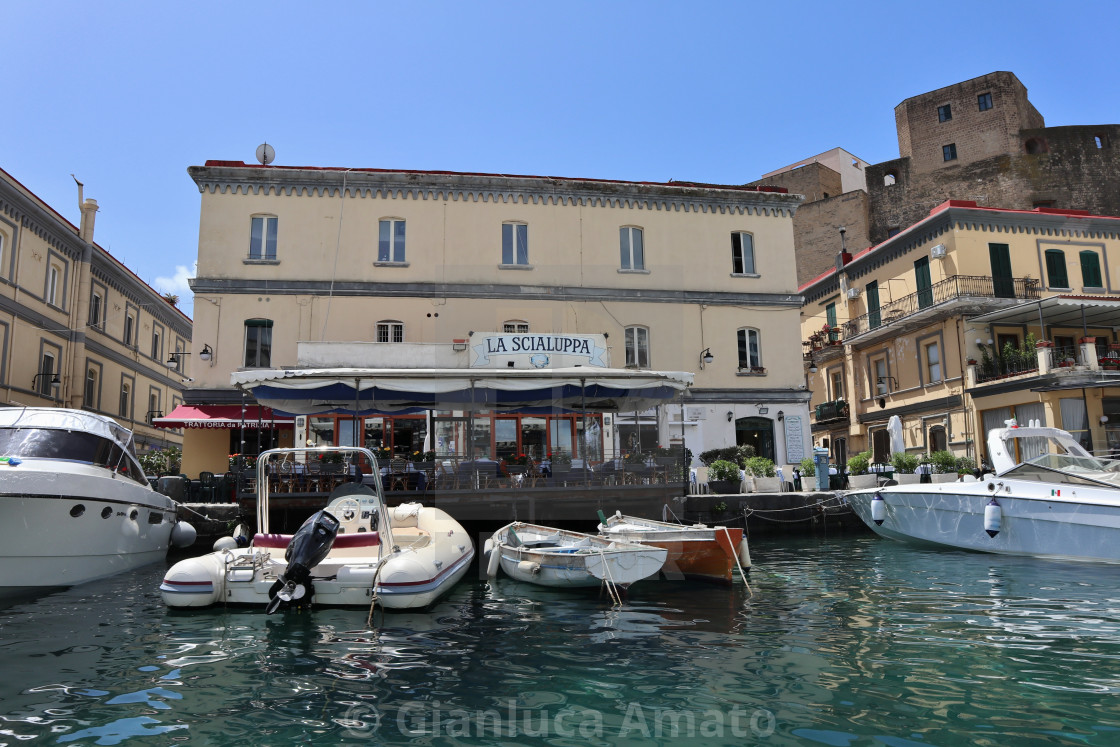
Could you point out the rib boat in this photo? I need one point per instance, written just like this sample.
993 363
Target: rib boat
75 505
557 557
352 552
1048 497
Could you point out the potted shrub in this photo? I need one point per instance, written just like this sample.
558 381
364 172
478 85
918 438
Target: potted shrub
808 475
858 475
765 476
965 466
905 468
723 477
944 465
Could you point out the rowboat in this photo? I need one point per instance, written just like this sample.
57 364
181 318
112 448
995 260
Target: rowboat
695 552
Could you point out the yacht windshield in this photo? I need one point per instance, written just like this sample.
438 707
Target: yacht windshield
1069 469
75 446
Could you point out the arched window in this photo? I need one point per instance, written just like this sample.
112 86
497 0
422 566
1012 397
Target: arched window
258 343
889 179
1056 268
1034 146
390 330
631 248
262 237
637 347
750 350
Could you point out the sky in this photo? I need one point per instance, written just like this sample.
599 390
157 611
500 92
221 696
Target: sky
127 95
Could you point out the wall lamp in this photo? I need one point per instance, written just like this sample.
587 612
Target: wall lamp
175 360
706 357
781 416
813 368
892 381
36 384
730 416
206 354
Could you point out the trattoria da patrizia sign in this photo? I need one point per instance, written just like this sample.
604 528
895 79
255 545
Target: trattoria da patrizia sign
527 350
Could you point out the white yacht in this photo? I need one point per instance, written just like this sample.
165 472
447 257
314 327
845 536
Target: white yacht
74 502
1048 497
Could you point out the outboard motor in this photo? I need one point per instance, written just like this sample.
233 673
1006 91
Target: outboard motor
307 549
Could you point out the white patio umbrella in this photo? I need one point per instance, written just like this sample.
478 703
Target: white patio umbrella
894 428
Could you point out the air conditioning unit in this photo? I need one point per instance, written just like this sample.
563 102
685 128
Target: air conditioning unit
853 294
938 252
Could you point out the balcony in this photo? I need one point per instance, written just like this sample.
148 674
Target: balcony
958 294
831 411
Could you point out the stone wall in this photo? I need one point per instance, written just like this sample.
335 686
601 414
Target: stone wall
813 180
816 232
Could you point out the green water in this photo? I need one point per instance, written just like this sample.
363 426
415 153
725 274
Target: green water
844 641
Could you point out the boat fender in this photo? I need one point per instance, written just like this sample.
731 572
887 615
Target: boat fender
530 567
993 518
744 554
242 535
183 534
225 543
495 551
878 509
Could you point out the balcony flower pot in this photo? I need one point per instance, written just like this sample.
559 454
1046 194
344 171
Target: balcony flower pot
1044 344
972 361
1090 340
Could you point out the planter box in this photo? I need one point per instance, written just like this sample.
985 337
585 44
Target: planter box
723 487
767 485
950 477
856 482
902 479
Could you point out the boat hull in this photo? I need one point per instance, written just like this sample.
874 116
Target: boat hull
1080 524
694 552
66 524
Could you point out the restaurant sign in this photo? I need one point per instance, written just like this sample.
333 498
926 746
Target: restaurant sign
538 351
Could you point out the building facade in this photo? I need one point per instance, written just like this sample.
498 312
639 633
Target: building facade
964 320
676 276
77 328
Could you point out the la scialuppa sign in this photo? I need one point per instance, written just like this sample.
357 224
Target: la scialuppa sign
527 350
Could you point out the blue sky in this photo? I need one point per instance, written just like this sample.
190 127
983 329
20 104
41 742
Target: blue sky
127 95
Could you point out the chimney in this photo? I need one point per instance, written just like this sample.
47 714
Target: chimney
89 212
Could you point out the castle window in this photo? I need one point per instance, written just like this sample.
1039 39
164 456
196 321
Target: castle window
984 101
1099 141
889 179
1035 146
949 152
944 113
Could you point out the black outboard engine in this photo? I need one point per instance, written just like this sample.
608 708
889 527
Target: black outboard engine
307 549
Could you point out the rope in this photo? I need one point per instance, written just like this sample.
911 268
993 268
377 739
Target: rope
196 513
735 552
608 580
373 589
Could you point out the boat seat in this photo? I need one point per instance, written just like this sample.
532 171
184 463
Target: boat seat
341 542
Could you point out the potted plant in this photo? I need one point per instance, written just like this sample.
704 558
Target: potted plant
724 477
858 475
808 475
944 465
765 476
965 466
905 468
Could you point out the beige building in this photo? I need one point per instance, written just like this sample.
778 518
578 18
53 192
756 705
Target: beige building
666 274
77 328
940 325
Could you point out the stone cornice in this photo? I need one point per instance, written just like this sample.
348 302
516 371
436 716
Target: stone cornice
220 286
684 196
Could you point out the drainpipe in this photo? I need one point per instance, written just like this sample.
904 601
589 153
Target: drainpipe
79 316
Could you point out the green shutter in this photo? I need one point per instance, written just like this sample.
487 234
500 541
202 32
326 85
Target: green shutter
922 279
1003 284
1091 269
1056 276
874 318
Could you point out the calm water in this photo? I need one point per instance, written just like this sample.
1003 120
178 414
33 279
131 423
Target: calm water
845 641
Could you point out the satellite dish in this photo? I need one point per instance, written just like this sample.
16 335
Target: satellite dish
265 154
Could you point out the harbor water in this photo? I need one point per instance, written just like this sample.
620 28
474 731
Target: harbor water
848 640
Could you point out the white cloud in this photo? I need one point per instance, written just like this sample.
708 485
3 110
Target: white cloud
177 284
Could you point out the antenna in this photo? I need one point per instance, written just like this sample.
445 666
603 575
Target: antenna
265 154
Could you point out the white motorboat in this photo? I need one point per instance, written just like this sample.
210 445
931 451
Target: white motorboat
354 552
694 550
74 502
558 557
1048 497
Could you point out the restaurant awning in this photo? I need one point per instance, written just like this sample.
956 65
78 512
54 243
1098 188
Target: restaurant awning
221 416
305 391
1059 311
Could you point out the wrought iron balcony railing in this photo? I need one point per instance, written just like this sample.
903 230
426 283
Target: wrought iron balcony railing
958 286
831 411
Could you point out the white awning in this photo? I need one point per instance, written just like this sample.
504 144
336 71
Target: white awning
305 391
1059 311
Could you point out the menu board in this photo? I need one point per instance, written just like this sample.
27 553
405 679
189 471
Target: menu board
795 443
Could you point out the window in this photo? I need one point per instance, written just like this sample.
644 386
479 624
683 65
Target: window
923 282
154 410
742 253
515 244
871 294
129 323
262 238
157 345
880 379
258 343
46 374
1098 140
750 350
836 384
637 347
1056 268
1091 269
390 331
893 231
515 327
949 152
126 394
889 179
52 285
390 241
932 356
944 113
830 314
631 249
937 439
984 101
91 390
95 310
